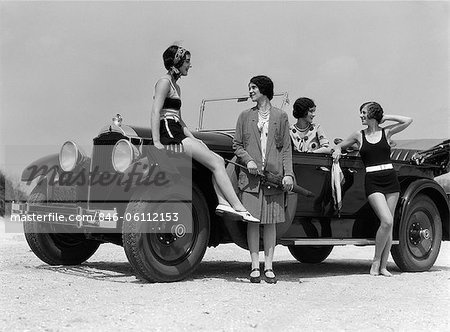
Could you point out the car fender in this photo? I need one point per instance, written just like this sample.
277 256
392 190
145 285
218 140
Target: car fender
49 168
45 166
432 189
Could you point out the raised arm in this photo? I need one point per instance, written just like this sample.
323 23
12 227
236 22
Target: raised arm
402 123
161 90
352 139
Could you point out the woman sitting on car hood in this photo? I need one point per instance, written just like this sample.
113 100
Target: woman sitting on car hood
168 128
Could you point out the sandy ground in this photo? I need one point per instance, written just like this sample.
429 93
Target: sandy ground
102 294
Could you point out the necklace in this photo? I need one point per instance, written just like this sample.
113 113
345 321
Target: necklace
300 129
264 114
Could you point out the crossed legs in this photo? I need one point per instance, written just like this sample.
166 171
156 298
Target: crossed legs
384 207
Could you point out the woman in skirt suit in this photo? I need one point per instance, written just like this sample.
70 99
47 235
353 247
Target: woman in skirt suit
262 142
168 128
381 183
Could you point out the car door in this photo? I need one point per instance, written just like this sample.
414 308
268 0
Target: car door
352 190
312 171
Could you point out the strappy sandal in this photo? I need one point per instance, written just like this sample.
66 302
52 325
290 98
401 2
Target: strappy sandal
255 280
270 280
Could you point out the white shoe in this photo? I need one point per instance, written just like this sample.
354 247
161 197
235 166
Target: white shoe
221 208
246 216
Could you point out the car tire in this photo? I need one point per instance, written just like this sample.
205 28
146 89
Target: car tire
310 254
419 234
56 248
161 256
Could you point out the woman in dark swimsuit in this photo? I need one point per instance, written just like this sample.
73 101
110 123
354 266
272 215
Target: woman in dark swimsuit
381 183
168 128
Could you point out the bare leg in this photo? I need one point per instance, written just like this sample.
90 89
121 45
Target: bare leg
379 204
253 246
269 239
220 198
232 175
216 165
392 200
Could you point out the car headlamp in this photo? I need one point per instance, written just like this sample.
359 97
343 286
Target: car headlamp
70 156
123 154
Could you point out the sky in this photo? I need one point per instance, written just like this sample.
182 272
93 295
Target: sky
66 68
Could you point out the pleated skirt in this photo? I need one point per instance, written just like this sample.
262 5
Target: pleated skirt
268 209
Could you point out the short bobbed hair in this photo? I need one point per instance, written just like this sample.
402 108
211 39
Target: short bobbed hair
169 57
374 110
264 84
302 106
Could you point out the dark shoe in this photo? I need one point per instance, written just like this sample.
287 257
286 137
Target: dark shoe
255 280
270 280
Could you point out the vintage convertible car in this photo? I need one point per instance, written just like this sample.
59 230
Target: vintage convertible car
160 206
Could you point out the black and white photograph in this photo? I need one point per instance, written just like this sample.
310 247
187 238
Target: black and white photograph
224 165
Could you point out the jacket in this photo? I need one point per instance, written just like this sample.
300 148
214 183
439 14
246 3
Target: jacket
247 147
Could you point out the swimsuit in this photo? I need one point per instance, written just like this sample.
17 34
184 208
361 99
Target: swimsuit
380 174
170 129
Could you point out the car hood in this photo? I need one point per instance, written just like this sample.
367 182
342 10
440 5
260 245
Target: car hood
219 141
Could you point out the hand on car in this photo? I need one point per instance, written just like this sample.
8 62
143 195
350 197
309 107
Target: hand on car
336 155
252 167
288 182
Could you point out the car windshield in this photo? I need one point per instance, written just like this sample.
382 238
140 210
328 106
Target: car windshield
222 113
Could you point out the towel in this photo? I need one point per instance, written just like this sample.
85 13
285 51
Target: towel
337 180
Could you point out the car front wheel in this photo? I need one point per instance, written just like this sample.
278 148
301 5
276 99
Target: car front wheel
420 235
161 251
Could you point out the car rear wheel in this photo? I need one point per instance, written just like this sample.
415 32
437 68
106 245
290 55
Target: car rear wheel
52 247
310 254
166 251
420 235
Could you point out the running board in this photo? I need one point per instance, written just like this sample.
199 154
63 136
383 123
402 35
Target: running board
327 242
